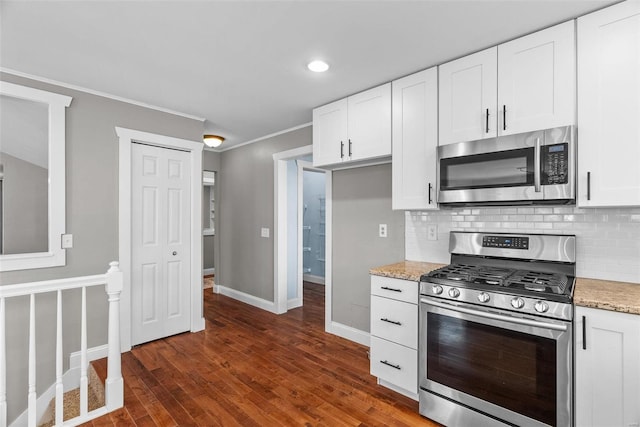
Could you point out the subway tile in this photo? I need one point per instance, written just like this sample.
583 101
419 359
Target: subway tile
533 218
544 211
526 211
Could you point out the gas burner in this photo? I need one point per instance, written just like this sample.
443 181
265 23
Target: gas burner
538 282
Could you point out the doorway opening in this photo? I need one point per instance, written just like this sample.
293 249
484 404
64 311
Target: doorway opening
302 236
310 230
208 228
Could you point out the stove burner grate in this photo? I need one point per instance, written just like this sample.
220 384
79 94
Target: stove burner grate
504 277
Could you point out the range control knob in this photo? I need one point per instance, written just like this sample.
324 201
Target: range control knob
437 289
517 303
483 297
454 293
541 306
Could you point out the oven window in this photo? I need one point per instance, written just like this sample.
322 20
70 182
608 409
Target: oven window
510 168
511 369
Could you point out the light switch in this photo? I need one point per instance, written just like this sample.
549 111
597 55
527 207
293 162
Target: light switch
67 241
382 230
264 232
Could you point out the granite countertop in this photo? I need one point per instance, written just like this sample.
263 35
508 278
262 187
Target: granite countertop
405 270
607 295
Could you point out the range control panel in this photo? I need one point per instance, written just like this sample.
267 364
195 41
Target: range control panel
507 242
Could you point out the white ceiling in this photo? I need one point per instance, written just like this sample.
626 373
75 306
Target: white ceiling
242 64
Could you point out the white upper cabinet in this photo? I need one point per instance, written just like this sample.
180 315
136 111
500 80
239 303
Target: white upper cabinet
468 90
353 129
329 133
609 106
536 81
524 85
415 140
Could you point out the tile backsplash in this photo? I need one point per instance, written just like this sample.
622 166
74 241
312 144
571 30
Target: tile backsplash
607 240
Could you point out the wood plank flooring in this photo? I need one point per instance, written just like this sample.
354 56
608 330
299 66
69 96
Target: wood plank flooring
253 368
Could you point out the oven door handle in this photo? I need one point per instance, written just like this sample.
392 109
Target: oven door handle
495 316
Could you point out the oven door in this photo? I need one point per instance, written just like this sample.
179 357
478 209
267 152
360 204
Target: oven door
494 365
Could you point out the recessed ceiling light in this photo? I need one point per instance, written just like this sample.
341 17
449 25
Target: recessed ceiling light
318 66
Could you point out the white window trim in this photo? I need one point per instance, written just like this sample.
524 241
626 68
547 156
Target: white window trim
55 256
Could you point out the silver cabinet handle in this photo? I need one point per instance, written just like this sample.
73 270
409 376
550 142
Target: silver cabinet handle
588 185
384 362
537 165
394 322
386 288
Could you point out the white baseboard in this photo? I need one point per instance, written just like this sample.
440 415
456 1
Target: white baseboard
70 380
294 303
350 333
207 271
246 298
313 279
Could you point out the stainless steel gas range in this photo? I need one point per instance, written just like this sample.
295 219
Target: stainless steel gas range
495 343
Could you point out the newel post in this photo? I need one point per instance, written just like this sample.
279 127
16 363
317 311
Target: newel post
114 385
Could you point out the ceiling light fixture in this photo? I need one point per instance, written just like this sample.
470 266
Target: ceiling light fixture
318 66
212 140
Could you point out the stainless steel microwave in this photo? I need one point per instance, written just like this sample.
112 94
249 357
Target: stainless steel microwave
528 168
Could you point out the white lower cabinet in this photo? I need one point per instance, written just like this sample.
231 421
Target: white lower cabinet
607 385
394 334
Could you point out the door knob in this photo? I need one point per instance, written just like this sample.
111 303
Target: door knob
175 253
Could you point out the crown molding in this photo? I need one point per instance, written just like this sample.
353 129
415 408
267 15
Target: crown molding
99 93
262 138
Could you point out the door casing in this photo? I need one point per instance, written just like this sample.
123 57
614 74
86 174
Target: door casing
126 138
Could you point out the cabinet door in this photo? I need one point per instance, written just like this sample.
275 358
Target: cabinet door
370 124
468 98
415 140
330 133
609 106
536 84
608 370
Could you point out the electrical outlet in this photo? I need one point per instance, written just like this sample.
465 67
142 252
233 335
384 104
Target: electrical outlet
432 232
264 232
382 230
67 241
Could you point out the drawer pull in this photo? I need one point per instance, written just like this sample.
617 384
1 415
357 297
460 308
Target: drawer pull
386 288
391 321
384 362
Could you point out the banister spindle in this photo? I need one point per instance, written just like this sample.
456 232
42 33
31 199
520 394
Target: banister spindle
114 385
84 401
59 384
32 398
3 366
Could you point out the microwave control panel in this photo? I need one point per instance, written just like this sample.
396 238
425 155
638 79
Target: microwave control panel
555 164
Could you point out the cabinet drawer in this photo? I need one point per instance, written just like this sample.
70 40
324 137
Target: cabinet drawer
395 321
394 363
401 290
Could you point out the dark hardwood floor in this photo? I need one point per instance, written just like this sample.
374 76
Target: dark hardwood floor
253 368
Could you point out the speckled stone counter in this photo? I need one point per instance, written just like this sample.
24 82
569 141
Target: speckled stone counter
405 270
607 295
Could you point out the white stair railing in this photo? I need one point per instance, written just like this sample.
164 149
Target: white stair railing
114 385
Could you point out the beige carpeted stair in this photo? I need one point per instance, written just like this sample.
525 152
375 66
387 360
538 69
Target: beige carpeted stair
72 400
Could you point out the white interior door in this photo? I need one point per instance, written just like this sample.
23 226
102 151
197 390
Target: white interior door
160 240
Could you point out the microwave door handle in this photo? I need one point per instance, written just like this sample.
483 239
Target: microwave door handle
537 166
495 316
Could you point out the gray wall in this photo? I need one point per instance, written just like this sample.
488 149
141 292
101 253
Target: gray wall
92 218
246 205
361 201
25 226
